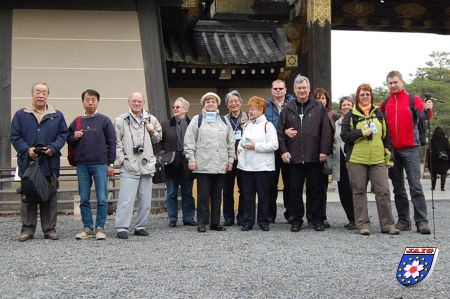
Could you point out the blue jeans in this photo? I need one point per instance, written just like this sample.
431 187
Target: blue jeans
187 200
85 174
408 159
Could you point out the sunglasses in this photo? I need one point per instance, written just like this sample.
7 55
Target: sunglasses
177 107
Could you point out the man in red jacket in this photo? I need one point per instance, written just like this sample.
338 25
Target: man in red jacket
404 136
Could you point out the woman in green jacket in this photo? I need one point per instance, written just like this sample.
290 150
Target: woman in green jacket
364 133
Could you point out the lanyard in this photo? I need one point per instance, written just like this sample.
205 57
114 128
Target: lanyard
235 125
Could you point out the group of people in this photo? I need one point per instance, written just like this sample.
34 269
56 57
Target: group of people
299 136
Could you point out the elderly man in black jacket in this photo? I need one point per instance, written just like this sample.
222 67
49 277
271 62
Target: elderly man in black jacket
177 175
305 140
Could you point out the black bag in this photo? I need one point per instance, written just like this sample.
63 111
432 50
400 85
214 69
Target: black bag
34 184
159 176
442 155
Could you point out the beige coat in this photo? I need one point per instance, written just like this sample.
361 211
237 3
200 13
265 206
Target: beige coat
211 146
131 132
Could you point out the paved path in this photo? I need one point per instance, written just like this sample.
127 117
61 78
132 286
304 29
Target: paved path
181 263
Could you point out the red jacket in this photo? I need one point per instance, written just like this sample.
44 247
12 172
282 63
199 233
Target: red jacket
400 119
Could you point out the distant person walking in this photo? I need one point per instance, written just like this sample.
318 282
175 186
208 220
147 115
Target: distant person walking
440 157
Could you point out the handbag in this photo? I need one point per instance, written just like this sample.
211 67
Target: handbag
442 155
70 148
159 176
34 184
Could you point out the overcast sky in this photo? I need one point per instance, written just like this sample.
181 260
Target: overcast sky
366 57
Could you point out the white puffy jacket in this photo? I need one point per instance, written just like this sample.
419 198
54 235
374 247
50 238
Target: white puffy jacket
264 135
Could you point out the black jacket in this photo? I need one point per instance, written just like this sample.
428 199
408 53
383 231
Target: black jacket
314 132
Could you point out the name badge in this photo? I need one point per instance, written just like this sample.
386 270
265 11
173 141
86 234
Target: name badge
373 128
210 117
237 135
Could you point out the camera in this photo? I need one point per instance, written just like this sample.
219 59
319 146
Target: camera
138 149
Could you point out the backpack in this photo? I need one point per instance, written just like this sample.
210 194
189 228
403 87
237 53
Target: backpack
200 120
70 148
421 127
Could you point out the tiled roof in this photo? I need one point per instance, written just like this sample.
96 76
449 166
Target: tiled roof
224 45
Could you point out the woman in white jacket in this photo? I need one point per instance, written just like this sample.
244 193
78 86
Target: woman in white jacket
257 163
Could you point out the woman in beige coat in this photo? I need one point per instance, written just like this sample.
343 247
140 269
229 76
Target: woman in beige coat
209 148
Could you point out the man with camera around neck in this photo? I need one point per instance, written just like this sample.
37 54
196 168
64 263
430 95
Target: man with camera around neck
39 124
136 131
93 139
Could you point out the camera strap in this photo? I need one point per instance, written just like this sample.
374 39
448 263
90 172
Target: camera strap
131 132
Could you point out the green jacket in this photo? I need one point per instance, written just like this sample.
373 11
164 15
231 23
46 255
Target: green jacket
360 147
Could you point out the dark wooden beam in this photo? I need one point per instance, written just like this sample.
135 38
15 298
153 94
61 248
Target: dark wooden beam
154 59
125 5
5 86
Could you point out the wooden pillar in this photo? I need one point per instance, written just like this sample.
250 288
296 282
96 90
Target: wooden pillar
5 86
319 35
154 59
222 92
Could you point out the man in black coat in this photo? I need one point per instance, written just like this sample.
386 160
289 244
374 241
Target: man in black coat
305 140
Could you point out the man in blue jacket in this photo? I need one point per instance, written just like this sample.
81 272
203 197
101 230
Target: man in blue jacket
274 105
39 124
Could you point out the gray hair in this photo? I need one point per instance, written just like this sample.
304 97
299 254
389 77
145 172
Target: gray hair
39 83
131 95
299 79
345 98
233 93
183 102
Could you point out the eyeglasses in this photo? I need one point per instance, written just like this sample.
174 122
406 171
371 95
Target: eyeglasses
364 95
278 88
177 107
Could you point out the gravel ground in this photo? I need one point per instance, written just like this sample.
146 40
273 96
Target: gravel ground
181 263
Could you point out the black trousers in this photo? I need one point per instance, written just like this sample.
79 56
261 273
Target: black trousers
228 194
48 212
256 182
324 186
345 191
282 167
298 173
209 190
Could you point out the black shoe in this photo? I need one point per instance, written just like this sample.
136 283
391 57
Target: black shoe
192 223
264 227
326 224
240 223
295 227
217 227
246 227
172 223
319 227
122 235
350 226
403 226
141 232
201 228
228 222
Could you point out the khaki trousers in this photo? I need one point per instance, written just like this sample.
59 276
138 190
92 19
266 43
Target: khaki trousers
360 174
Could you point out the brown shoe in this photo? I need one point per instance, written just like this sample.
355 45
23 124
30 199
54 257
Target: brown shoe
403 226
422 227
392 231
25 237
364 231
51 236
